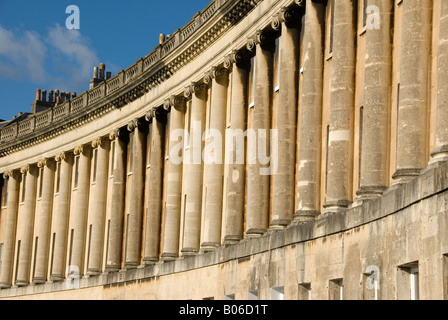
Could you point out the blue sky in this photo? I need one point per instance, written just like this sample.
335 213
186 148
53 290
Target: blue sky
38 51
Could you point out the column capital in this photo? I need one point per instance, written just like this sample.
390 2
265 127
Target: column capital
217 73
239 57
174 101
135 124
263 38
98 142
289 16
194 88
81 149
11 174
45 162
25 169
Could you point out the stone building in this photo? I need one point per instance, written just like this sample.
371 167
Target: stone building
269 149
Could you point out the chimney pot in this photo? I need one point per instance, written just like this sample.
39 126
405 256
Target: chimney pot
108 75
51 96
44 95
73 95
161 38
38 92
102 70
95 73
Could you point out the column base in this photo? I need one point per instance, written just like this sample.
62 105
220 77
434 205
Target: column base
209 246
39 280
439 155
336 206
130 265
93 272
189 252
4 285
279 224
304 216
255 232
169 257
112 268
231 240
22 283
57 278
367 193
405 175
150 260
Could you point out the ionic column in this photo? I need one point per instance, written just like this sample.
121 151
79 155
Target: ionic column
440 152
62 216
377 96
99 206
9 237
342 94
218 78
284 155
259 143
171 226
26 244
44 220
235 149
193 169
134 228
114 257
81 208
154 188
412 137
310 127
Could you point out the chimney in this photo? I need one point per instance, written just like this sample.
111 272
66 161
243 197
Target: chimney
161 38
38 92
51 96
108 75
44 95
95 73
102 71
73 95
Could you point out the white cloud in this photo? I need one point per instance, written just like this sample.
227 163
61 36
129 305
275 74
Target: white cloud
63 59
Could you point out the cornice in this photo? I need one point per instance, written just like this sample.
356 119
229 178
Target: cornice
129 84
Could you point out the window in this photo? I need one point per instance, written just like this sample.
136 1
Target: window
23 187
332 26
1 255
278 293
251 95
305 291
249 185
371 288
95 164
76 179
408 287
112 159
58 177
17 258
336 289
252 295
71 247
41 182
131 153
445 276
277 63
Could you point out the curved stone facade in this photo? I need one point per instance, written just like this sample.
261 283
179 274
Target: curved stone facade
268 149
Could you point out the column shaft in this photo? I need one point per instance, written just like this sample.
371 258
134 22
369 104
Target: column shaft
154 192
214 161
114 258
376 111
134 228
26 245
340 148
310 127
284 155
193 172
440 152
99 207
259 174
10 228
171 226
43 220
81 209
62 217
413 136
235 157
